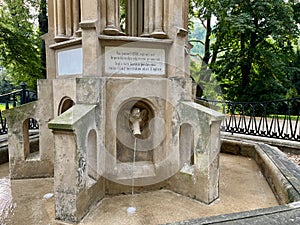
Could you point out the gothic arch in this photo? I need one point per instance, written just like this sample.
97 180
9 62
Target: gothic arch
65 104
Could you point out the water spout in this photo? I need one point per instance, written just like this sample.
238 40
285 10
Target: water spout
136 129
137 118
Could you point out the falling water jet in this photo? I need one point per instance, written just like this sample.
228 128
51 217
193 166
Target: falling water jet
131 209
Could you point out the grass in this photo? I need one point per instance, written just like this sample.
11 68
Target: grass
2 106
283 116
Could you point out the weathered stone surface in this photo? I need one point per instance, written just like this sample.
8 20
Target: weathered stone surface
290 170
23 162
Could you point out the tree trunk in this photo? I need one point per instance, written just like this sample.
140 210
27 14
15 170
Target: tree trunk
43 26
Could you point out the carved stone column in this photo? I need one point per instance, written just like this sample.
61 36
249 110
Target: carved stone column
146 31
76 16
140 17
158 20
68 18
151 15
112 18
60 15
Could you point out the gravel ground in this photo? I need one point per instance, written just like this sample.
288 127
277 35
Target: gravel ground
294 158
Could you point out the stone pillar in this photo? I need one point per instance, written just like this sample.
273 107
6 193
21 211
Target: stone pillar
49 39
60 16
185 14
158 20
73 194
76 15
112 18
117 15
68 18
140 14
146 32
151 16
129 19
90 42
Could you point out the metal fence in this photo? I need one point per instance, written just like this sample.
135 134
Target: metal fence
14 99
272 119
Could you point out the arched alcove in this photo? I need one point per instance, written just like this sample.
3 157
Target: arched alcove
124 131
31 139
65 104
186 144
92 154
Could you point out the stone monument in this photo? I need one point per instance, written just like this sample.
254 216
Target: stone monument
117 95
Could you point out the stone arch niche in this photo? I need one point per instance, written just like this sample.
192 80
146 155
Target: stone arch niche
31 139
92 154
125 131
65 104
186 144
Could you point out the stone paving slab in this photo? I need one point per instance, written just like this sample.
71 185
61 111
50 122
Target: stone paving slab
283 215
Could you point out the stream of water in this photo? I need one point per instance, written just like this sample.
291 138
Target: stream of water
132 209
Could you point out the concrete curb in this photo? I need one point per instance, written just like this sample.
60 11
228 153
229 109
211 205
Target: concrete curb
285 214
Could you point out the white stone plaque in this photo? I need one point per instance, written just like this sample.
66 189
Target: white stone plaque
69 62
133 61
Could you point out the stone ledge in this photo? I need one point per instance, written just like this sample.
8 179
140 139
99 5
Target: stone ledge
68 43
284 145
69 119
136 39
289 169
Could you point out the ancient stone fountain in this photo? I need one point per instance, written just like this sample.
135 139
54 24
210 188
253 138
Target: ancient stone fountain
105 87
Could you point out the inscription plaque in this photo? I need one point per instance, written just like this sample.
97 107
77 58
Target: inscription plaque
69 62
132 61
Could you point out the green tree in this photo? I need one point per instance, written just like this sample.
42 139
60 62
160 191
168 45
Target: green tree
251 47
43 29
201 38
295 75
20 42
5 86
257 48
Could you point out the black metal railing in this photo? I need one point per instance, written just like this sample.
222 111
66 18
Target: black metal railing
16 98
272 119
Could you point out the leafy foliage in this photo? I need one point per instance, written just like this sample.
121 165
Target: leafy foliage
5 86
20 42
251 48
